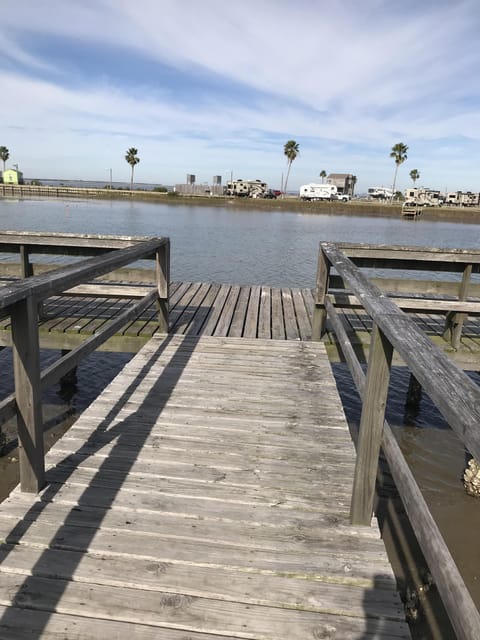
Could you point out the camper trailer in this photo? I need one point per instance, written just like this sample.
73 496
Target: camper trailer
461 199
423 196
314 191
246 188
380 193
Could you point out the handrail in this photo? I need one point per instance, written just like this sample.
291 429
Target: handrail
20 300
455 395
449 388
438 295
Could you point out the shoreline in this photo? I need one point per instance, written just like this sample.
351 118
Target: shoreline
288 205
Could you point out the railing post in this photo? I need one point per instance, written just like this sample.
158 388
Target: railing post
321 289
371 427
455 320
26 365
25 265
162 260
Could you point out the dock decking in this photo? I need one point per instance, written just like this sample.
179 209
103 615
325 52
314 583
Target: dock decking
205 494
224 310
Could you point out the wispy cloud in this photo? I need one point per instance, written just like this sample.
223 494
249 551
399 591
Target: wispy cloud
204 87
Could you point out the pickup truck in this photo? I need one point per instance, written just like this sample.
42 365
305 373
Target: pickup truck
343 197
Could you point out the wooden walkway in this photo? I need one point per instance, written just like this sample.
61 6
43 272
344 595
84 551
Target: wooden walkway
224 310
195 309
205 494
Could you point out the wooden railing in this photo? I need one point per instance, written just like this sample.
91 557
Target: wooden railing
454 394
21 300
454 299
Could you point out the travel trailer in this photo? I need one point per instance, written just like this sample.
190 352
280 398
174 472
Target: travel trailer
380 193
423 196
246 188
461 199
314 191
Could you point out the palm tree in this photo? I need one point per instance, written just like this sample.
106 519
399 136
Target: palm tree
399 153
4 155
323 175
291 150
132 159
414 175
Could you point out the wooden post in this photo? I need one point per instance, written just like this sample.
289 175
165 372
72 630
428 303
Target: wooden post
414 396
71 376
371 428
26 269
461 317
454 321
319 312
25 265
26 365
162 259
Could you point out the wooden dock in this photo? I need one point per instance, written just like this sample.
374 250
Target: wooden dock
206 493
213 491
212 309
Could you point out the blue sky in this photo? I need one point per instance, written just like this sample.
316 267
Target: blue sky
215 87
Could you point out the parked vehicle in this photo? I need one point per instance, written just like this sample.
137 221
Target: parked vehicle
380 193
423 196
314 191
269 194
246 188
461 199
344 197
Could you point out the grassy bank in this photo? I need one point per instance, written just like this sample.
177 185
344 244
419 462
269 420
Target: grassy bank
356 208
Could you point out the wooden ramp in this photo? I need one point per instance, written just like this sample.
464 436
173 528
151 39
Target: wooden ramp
204 495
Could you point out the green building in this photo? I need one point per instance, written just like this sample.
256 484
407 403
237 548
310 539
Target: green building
12 176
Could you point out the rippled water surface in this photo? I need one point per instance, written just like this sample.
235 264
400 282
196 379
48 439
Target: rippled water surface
276 248
231 245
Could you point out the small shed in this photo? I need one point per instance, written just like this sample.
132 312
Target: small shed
12 176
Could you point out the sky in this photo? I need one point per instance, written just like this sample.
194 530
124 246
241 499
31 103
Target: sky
217 88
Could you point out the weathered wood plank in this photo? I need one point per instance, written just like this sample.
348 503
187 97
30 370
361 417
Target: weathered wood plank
208 469
251 321
201 316
188 613
239 315
223 324
278 324
302 315
265 314
197 581
291 326
216 311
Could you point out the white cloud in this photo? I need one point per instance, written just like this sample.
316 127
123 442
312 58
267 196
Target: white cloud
332 75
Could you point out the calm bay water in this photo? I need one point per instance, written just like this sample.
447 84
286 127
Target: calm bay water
231 245
278 248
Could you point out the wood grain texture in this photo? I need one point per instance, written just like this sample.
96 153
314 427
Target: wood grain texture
199 495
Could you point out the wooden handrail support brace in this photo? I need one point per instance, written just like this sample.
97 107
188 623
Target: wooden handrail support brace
321 289
459 605
21 300
455 321
408 258
455 395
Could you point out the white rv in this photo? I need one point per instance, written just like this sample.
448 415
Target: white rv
462 199
423 196
246 188
380 193
314 191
